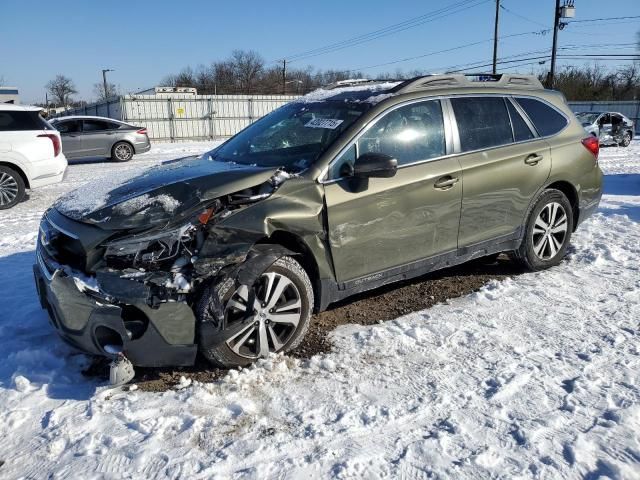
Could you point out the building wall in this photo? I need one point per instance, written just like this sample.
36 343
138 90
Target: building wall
9 95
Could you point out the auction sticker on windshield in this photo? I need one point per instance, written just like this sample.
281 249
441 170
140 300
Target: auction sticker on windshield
330 123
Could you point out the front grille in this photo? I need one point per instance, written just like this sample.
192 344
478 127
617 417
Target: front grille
61 246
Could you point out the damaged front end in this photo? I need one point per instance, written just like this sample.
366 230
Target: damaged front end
131 294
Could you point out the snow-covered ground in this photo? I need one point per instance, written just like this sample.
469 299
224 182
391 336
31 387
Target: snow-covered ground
537 376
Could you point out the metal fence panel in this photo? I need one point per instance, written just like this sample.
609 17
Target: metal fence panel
630 109
187 117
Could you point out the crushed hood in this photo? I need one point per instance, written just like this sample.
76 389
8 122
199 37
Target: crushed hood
147 197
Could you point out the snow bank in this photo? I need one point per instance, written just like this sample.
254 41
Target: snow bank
536 376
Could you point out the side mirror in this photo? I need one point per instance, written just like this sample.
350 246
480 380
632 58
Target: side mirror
373 164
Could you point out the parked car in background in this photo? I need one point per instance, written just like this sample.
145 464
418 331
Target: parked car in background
344 190
84 136
30 153
611 128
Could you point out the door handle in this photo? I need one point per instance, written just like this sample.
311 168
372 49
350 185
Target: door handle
446 182
533 159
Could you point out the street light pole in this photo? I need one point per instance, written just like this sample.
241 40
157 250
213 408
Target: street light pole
106 91
495 38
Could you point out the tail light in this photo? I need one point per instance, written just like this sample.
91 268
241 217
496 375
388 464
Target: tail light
592 144
57 147
142 131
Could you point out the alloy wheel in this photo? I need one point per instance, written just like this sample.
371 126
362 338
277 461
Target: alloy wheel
267 315
626 139
123 152
8 189
550 231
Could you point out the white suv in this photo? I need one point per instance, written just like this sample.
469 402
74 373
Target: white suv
30 153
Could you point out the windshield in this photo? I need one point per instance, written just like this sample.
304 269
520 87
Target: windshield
587 118
293 137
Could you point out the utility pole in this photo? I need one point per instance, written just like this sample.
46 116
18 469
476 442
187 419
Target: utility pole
495 38
106 90
566 11
554 48
284 76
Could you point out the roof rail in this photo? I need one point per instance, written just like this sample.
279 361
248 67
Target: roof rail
469 80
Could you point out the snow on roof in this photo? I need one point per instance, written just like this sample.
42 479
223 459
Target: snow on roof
19 108
375 89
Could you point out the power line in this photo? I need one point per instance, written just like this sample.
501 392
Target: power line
523 17
389 30
459 47
603 19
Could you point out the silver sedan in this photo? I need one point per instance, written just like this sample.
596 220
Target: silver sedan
84 136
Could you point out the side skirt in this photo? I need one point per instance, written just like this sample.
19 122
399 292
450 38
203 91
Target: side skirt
333 292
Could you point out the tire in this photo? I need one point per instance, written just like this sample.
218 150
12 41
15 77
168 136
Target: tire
539 234
626 139
12 188
245 346
122 152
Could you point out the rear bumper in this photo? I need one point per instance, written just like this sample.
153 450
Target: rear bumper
89 320
53 173
142 147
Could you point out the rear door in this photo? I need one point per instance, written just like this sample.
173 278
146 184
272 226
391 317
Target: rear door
98 136
504 163
71 135
377 224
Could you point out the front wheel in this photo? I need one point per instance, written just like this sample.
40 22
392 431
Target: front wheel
122 152
271 316
548 231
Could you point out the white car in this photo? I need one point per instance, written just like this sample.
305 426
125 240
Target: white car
30 153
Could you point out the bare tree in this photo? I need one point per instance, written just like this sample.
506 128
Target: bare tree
98 90
61 88
248 66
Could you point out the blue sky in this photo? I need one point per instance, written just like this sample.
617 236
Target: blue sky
144 41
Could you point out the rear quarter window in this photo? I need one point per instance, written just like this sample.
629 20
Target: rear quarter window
12 121
547 120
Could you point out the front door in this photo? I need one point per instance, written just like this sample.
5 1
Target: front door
505 165
379 223
605 128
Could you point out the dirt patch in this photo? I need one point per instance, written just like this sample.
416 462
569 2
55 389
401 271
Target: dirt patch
385 303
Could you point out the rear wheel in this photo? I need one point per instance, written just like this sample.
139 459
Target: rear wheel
626 139
122 152
548 231
12 188
269 317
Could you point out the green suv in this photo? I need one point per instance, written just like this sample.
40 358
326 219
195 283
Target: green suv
351 187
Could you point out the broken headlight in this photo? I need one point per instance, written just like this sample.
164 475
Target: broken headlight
150 251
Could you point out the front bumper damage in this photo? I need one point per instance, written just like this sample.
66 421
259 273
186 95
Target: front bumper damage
114 312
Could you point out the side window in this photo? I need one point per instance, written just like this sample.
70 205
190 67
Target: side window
343 164
95 125
17 120
70 126
483 122
547 120
521 130
410 134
